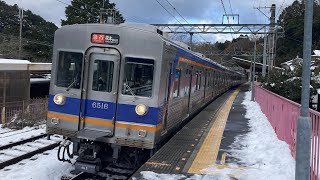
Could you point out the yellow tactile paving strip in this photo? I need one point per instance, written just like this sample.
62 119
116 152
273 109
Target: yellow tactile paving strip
208 152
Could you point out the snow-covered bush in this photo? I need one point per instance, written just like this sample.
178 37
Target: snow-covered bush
287 82
32 114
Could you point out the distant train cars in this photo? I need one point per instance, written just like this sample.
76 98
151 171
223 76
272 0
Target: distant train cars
39 86
117 91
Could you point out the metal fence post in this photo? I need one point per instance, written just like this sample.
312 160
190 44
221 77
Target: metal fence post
22 114
3 115
304 123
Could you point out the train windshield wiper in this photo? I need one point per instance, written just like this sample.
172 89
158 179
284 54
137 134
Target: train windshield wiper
74 81
129 89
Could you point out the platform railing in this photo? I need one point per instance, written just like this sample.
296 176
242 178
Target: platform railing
283 115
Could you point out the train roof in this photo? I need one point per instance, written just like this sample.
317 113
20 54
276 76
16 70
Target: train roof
155 30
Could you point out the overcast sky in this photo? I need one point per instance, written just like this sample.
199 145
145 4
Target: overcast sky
149 11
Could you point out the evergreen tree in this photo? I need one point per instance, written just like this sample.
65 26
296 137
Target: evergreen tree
87 11
292 21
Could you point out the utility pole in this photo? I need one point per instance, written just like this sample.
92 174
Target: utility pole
304 124
20 36
271 38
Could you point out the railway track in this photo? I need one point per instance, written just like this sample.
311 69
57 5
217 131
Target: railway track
10 145
15 152
6 132
9 133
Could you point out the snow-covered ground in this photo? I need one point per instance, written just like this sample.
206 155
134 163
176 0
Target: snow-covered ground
8 135
261 154
45 167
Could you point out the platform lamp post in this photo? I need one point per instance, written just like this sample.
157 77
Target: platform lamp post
304 124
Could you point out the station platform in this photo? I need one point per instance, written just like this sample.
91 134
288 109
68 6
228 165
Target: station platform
204 141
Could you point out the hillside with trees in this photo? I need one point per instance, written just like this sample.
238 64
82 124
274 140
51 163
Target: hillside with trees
37 35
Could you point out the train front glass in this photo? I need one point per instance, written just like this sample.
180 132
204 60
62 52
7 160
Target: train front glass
69 70
138 78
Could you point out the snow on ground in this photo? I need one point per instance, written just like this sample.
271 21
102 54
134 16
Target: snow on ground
44 167
261 154
7 135
316 52
149 175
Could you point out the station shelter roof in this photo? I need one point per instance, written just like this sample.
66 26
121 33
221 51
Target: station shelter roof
20 65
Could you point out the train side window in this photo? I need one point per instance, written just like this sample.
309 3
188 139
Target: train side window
177 79
69 70
102 76
138 79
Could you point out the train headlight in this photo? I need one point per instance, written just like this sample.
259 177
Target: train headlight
141 109
59 99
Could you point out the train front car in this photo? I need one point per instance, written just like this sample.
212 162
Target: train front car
103 93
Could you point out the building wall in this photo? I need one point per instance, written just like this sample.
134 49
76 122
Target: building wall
14 85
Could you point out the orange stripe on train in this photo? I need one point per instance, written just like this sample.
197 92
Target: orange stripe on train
105 123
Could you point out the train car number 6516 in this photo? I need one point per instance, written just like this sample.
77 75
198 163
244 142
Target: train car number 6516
99 105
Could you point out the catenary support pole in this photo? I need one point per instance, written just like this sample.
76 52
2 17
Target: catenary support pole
304 124
254 68
191 48
264 61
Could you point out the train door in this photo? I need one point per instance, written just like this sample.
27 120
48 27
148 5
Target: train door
167 96
190 89
99 98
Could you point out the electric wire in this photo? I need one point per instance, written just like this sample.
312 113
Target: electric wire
230 7
173 17
225 12
280 7
184 18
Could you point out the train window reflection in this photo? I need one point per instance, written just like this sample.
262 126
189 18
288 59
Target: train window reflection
138 78
69 70
102 76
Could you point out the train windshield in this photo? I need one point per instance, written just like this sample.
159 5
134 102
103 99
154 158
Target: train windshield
69 70
138 78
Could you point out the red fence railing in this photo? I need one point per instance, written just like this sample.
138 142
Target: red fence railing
283 115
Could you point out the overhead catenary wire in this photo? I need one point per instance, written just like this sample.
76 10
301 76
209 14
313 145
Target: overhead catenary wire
173 16
225 12
183 18
280 7
230 7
